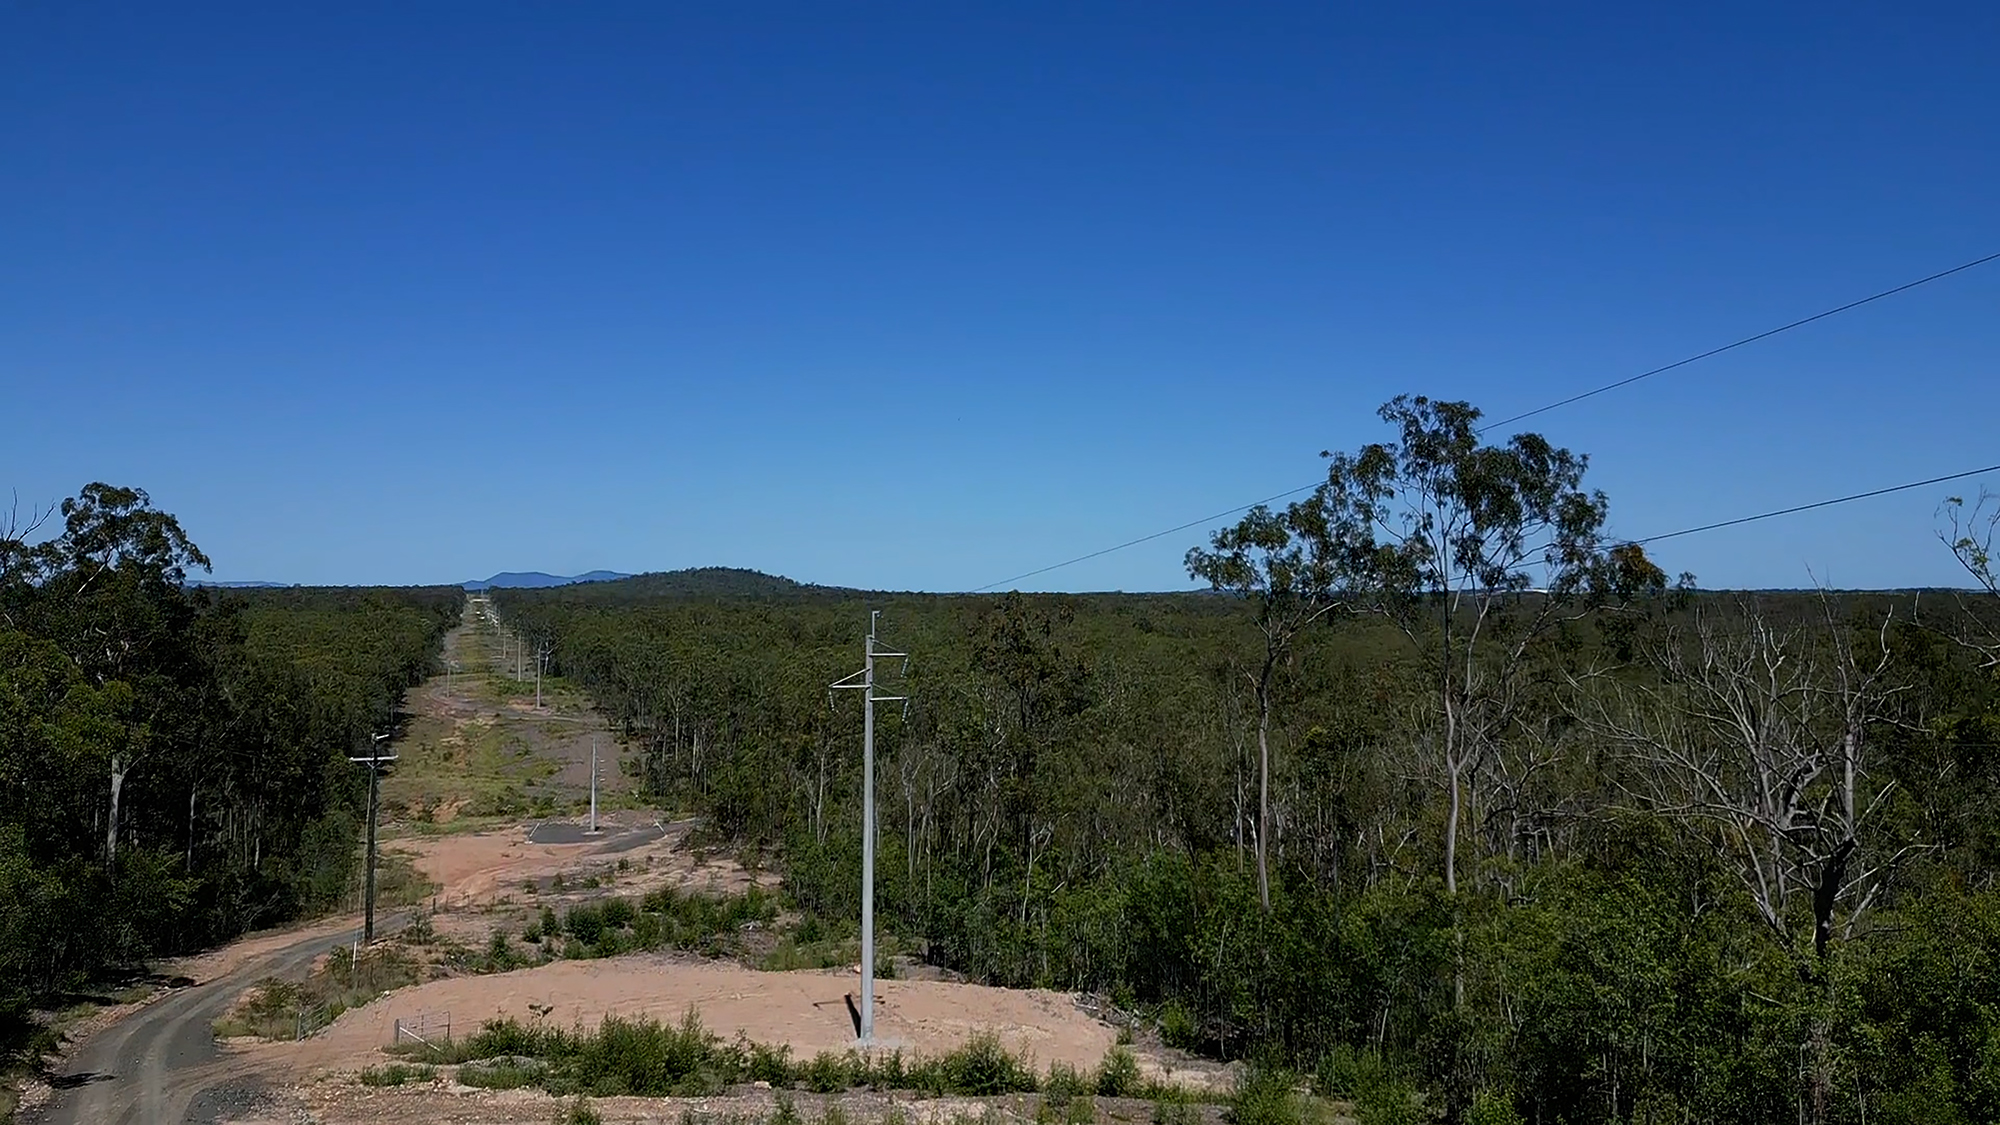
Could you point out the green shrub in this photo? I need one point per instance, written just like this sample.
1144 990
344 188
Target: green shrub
507 1037
1063 1084
580 1112
618 913
584 923
1388 1102
1177 1026
981 1068
767 1063
887 1072
1490 1107
1118 1074
1264 1096
1345 1072
830 1073
500 957
649 1059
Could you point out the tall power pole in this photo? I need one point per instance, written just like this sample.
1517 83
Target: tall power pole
868 700
374 761
593 783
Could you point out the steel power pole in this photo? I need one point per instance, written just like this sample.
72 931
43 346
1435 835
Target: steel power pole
868 701
593 783
374 761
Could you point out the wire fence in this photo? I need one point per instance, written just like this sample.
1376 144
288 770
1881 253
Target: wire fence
429 1029
313 1018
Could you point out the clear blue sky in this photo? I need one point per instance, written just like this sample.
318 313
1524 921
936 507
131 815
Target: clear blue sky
927 296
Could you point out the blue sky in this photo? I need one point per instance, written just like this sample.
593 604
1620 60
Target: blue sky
926 296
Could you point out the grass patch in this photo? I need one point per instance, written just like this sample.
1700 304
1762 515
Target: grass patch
646 1058
498 956
280 1009
665 919
505 1073
809 946
650 1059
396 1074
397 880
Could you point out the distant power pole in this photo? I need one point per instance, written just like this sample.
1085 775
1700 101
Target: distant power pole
593 783
868 700
374 761
542 651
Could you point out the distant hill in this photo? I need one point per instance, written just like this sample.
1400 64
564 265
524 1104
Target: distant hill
240 585
702 582
535 579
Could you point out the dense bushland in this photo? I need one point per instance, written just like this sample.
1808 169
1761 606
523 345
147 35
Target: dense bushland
172 759
1539 834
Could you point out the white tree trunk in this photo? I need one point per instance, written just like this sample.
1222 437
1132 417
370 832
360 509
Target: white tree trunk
1263 796
118 768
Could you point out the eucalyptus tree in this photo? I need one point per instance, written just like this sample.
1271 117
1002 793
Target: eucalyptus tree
1476 552
110 589
1286 565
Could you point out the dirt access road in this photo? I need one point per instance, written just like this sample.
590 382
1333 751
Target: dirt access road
160 1063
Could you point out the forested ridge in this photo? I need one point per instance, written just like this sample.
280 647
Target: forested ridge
1448 792
173 759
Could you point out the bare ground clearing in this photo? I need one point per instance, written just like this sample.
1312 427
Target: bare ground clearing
805 1010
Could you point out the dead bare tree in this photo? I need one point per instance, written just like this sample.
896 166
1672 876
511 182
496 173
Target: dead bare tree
19 561
1969 533
1761 733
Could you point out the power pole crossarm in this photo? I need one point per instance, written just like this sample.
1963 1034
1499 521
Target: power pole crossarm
374 761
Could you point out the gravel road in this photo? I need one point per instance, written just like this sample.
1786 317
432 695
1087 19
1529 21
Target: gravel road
160 1065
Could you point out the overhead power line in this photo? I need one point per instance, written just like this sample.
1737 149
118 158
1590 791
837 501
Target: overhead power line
1144 538
1815 504
1794 509
1629 380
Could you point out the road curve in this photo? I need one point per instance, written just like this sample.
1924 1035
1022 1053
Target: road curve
151 1066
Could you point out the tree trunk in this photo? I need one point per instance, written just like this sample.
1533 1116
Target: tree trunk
118 768
1454 768
1263 794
